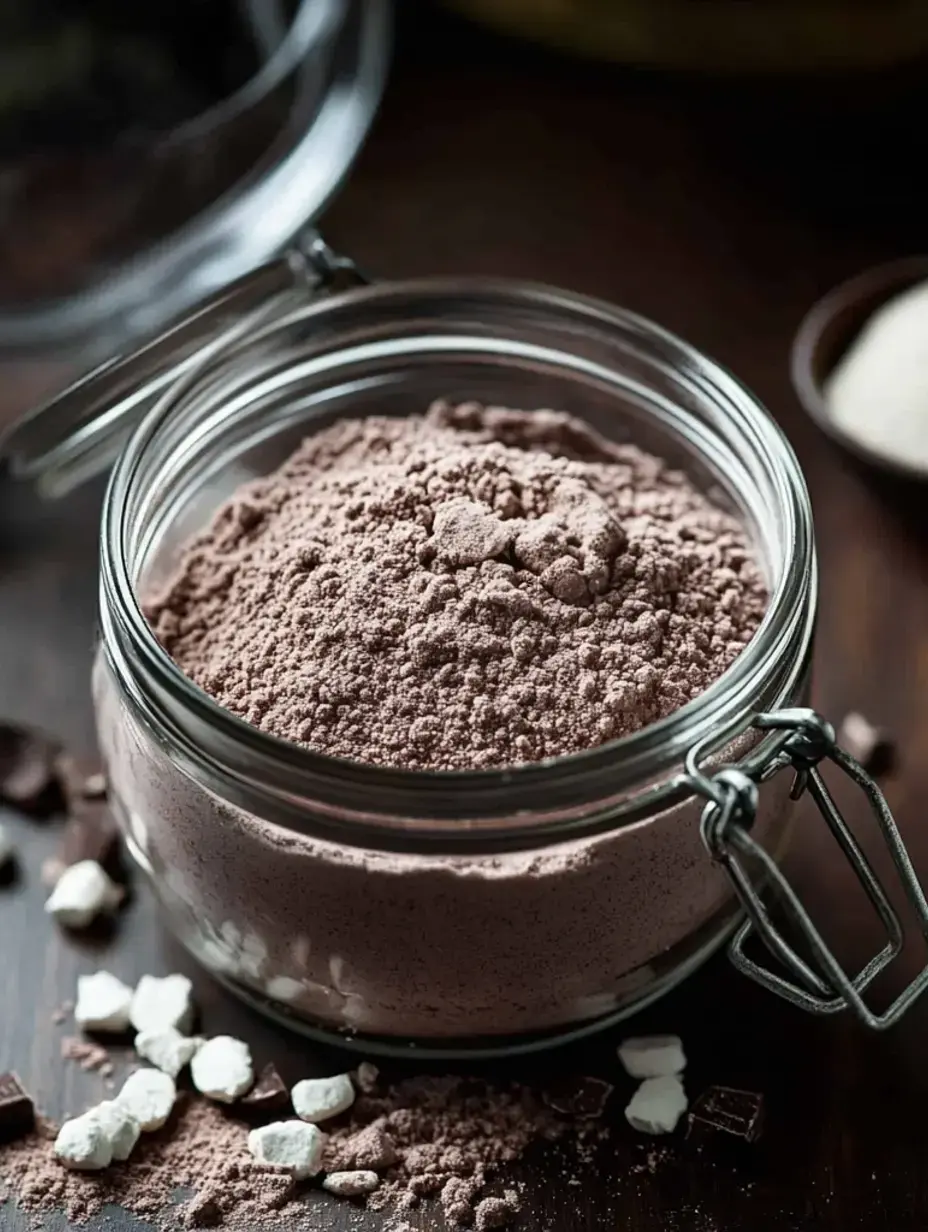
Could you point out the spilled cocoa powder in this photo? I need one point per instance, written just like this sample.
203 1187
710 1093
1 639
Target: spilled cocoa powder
88 1054
445 1138
430 1139
476 587
201 1149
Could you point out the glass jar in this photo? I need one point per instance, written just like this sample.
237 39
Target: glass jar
459 912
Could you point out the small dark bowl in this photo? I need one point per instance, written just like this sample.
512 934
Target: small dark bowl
826 333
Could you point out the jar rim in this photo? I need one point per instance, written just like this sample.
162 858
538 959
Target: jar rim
379 805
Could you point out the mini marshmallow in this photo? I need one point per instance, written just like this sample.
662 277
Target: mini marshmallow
366 1076
351 1184
163 1002
652 1056
83 1145
102 1002
6 847
657 1105
283 988
149 1096
317 1099
81 893
167 1049
120 1126
222 1069
293 1145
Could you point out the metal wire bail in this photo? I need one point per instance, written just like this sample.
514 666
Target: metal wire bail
823 987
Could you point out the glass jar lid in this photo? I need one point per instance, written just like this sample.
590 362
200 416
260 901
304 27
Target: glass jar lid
234 184
79 433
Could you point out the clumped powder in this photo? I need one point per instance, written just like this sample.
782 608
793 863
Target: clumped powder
87 1053
471 588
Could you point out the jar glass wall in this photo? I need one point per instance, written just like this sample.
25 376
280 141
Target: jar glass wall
445 908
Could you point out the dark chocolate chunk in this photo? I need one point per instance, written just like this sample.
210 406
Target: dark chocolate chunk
80 782
17 1111
269 1091
90 832
579 1097
728 1111
92 835
27 770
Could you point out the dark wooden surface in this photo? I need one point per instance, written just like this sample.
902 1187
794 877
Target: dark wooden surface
723 212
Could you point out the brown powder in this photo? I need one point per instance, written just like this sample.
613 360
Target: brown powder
63 1011
495 1213
477 587
445 1138
438 1138
200 1149
89 1055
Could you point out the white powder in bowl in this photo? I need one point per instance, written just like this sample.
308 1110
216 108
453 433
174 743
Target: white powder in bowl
878 392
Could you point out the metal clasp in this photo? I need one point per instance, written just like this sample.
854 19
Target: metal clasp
822 987
324 268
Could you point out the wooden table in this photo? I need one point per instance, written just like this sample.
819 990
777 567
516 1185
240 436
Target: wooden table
722 212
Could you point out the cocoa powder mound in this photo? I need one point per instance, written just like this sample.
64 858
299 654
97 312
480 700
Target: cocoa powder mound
476 587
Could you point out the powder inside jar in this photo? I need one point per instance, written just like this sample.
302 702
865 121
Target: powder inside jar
473 588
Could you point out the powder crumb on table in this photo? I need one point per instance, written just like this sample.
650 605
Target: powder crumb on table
447 1137
89 1055
62 1013
494 1213
443 1138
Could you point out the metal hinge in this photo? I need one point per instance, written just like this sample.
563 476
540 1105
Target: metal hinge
820 985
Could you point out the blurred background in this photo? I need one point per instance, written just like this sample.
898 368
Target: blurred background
151 153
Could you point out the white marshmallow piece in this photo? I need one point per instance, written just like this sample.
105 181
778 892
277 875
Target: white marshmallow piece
120 1126
222 1069
366 1076
317 1099
6 847
83 1145
652 1056
167 1049
163 1002
81 893
293 1145
149 1096
657 1105
102 1003
351 1184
